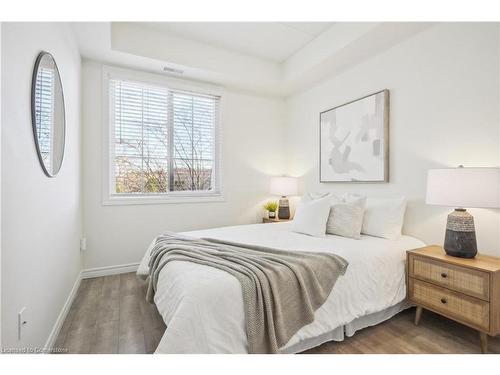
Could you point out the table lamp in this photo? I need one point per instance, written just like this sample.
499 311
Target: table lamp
463 187
284 186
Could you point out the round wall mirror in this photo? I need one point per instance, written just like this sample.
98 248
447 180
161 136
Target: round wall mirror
47 113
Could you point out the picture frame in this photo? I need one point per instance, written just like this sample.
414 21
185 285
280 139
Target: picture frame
354 140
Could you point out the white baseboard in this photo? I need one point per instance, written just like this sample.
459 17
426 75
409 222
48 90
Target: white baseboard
109 270
49 344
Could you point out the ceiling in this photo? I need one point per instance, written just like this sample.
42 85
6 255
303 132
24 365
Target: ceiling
270 58
273 41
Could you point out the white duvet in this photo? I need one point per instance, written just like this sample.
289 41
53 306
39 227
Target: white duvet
203 306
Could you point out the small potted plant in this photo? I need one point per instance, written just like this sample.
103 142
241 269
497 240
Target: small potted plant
271 208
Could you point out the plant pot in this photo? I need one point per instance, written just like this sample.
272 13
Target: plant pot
271 214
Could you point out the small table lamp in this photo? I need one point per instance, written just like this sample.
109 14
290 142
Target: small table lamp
284 186
463 187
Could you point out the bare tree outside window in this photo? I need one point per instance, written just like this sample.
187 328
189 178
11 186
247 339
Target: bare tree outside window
193 142
164 140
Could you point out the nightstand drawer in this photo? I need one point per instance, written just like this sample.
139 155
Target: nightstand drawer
472 282
465 309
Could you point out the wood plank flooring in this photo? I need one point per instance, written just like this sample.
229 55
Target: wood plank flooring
110 315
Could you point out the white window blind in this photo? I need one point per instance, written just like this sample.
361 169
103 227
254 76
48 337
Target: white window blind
163 140
44 112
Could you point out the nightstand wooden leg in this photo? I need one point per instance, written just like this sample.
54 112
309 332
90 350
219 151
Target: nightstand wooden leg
418 315
484 342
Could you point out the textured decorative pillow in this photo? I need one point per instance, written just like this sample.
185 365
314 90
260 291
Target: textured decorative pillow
346 217
311 216
383 217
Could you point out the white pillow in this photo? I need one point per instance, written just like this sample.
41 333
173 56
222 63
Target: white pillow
346 217
311 216
383 217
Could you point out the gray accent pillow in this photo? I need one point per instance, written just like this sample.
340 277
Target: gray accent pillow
346 217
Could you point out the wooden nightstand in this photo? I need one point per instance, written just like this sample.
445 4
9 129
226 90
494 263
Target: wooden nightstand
465 290
267 220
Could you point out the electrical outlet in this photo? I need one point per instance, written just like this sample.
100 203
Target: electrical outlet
22 322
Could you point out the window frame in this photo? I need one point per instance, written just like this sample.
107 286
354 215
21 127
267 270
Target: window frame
109 197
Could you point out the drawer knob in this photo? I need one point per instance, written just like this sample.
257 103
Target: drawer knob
443 300
444 275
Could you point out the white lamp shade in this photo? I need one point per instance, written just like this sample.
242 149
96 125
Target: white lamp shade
283 186
464 187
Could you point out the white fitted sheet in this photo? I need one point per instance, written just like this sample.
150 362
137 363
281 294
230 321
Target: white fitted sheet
203 306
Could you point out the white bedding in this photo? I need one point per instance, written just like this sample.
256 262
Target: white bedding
203 306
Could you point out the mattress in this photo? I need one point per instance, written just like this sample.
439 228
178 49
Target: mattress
203 306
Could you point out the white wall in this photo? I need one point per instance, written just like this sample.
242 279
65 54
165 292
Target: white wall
41 216
444 87
252 150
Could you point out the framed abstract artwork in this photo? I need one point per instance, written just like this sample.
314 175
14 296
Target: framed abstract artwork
354 140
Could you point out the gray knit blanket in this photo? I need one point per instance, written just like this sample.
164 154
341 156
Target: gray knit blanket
281 289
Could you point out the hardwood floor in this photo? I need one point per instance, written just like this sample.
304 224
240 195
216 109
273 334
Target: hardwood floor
110 315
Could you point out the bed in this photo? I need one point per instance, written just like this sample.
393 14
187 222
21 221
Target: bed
203 306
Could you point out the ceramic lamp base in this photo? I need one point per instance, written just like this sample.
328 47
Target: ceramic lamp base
460 238
284 209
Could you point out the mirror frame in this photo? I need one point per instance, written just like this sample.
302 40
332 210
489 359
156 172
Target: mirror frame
33 115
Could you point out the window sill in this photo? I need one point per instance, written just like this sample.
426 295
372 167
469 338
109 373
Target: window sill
162 199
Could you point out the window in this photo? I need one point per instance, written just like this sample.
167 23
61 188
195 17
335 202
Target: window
163 142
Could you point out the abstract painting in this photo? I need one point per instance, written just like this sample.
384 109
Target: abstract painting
354 140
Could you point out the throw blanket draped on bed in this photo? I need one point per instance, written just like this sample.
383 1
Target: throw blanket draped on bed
281 289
